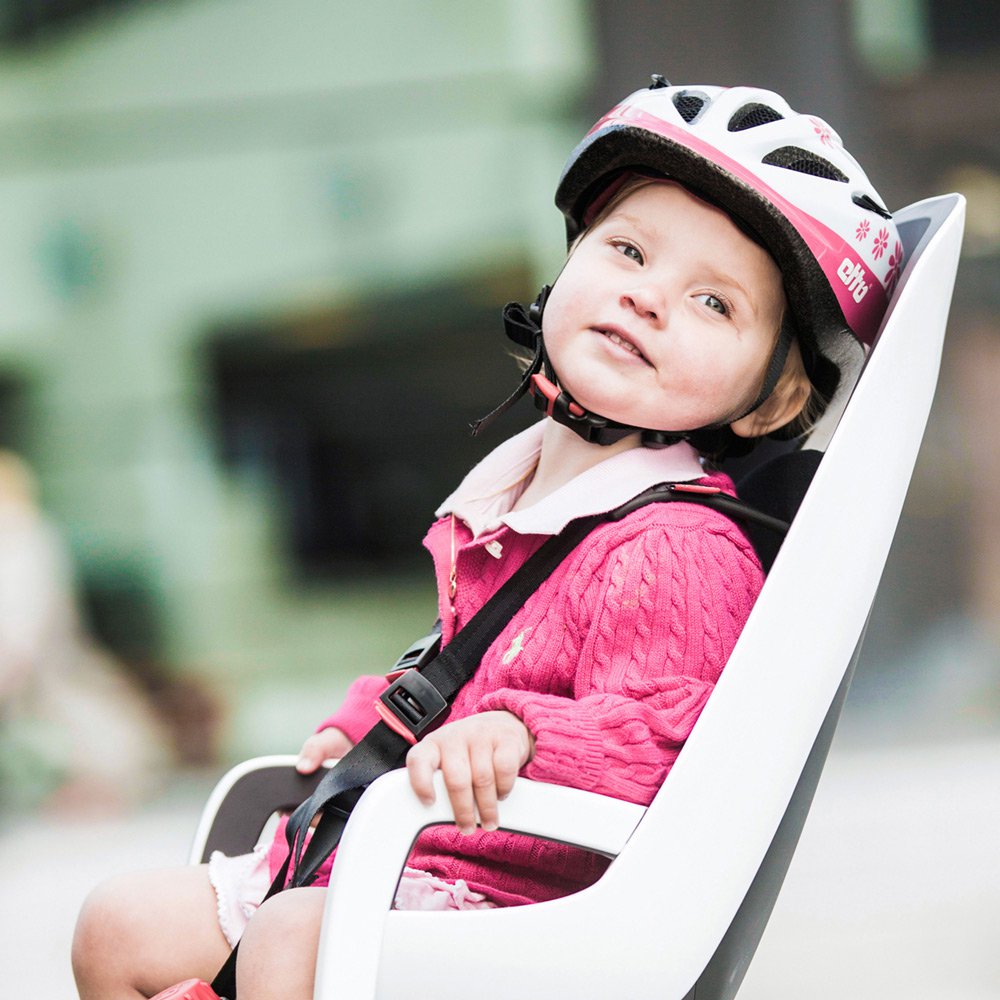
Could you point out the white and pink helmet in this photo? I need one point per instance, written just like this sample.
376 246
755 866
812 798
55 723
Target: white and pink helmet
785 176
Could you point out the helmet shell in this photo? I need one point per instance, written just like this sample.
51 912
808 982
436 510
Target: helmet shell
784 175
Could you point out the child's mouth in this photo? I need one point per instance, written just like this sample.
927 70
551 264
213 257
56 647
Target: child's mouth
616 338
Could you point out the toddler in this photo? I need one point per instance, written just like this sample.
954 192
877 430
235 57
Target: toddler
725 254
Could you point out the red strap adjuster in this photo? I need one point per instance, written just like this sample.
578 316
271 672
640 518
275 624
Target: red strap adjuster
694 488
541 386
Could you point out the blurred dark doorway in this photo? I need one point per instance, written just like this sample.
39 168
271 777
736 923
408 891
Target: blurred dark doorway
14 415
359 417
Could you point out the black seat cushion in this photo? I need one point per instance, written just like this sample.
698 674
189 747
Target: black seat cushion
776 487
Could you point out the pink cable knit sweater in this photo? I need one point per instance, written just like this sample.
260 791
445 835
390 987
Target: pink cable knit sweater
608 664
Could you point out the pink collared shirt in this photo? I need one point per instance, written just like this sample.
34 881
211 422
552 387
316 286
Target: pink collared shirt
486 495
608 663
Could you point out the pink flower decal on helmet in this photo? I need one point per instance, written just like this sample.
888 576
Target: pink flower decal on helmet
861 233
822 130
880 243
895 267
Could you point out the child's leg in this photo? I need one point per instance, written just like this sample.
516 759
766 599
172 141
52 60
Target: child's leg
277 956
138 934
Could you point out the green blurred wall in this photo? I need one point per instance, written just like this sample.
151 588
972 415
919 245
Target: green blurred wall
178 166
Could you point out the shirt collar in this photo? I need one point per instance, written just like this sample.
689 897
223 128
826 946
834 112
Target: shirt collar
485 497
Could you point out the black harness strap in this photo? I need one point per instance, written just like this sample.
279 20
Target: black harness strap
705 496
427 694
421 696
383 749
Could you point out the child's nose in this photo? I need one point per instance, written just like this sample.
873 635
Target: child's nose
646 301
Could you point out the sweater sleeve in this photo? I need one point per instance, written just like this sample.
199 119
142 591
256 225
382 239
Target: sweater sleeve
650 622
356 714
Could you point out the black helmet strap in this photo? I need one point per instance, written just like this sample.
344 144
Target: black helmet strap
524 327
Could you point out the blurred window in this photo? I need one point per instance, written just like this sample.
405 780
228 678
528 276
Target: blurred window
357 421
891 36
963 27
899 39
14 411
26 21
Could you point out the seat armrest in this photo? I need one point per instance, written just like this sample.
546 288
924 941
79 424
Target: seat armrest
377 841
244 799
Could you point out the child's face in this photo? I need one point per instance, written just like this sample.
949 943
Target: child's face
665 314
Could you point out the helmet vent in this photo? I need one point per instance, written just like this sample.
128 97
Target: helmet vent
795 158
688 105
752 115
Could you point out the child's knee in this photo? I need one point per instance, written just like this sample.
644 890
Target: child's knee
284 930
296 912
101 926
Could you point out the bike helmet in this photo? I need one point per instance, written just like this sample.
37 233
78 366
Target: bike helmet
785 179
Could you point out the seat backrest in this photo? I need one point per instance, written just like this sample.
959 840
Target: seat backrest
737 815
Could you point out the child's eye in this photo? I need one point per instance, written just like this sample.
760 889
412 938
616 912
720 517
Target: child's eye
630 251
715 303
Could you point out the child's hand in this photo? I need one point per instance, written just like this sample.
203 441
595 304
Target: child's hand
479 757
322 746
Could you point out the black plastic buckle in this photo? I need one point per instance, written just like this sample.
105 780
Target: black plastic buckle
418 655
414 702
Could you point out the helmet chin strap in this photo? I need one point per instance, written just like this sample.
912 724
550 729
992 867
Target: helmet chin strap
524 327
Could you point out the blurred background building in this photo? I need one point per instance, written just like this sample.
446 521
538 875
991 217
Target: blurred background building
251 259
252 256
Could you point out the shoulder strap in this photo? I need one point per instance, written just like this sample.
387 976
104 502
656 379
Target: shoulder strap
419 699
705 496
431 677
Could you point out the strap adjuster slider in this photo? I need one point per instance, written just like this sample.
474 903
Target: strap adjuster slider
410 705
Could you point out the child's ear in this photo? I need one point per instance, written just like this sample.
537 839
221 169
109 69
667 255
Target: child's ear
783 405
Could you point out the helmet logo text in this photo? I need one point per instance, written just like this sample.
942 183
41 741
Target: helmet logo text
853 275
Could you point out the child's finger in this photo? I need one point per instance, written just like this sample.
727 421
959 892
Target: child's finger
506 764
484 785
421 763
457 772
321 746
310 756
